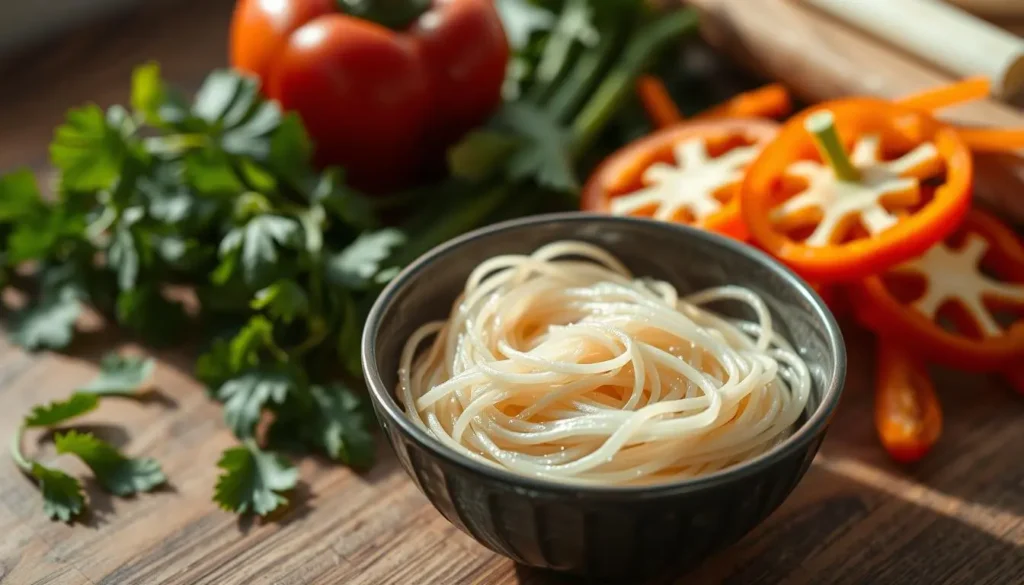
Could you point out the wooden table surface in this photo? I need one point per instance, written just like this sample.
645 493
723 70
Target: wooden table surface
956 518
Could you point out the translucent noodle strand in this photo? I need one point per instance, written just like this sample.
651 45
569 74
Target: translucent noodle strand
561 365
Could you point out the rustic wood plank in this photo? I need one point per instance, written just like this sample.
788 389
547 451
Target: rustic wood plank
958 517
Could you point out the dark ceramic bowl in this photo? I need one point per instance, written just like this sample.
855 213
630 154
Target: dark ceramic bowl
612 532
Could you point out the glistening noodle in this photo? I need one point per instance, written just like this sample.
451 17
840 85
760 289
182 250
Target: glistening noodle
562 365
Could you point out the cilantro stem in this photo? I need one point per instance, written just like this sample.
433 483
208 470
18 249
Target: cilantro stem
822 126
174 144
618 84
15 446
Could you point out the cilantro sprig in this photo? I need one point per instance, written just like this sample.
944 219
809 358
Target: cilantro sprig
116 473
219 195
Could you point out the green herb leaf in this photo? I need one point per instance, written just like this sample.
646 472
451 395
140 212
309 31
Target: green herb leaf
344 425
19 196
284 300
253 480
124 257
210 171
62 494
117 474
48 324
355 266
521 19
36 236
480 154
245 396
245 347
147 92
259 241
120 375
89 149
548 156
350 206
152 315
58 412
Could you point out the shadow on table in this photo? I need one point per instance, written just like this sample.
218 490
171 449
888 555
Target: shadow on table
837 531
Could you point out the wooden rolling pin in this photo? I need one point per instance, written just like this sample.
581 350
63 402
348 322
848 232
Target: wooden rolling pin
994 10
820 58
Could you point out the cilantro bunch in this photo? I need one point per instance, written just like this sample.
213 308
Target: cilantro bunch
175 217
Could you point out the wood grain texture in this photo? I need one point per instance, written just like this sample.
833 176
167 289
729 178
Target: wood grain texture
957 518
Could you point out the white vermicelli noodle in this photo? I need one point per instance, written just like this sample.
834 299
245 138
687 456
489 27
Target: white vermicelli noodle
562 365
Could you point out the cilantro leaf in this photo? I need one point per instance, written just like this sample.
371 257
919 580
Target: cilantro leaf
252 480
245 396
230 102
89 149
60 411
245 347
343 425
157 319
258 242
147 91
124 257
574 24
284 300
19 196
352 207
480 154
36 236
355 266
290 149
548 156
119 475
62 494
210 171
350 336
50 323
120 375
521 19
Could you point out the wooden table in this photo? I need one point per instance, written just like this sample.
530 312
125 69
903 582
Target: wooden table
958 517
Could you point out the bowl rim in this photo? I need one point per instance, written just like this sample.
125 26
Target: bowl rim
812 427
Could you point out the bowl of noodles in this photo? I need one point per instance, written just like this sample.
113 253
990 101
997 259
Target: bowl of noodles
601 395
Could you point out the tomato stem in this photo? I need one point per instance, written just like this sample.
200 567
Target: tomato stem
823 127
394 14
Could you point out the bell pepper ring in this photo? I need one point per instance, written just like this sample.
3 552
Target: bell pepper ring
687 173
872 213
908 416
383 86
969 313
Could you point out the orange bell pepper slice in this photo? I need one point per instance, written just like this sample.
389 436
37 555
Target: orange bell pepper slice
657 102
908 416
961 304
687 173
769 101
877 210
971 89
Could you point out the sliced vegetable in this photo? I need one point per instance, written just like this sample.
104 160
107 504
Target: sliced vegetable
770 101
908 416
688 173
841 226
966 90
960 304
657 102
383 86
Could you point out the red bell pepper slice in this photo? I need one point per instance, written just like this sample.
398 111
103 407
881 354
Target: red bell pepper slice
908 416
960 304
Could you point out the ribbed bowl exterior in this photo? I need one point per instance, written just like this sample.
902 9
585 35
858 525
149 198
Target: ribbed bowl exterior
604 533
600 538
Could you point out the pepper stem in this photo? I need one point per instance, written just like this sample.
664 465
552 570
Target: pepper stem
394 14
822 126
